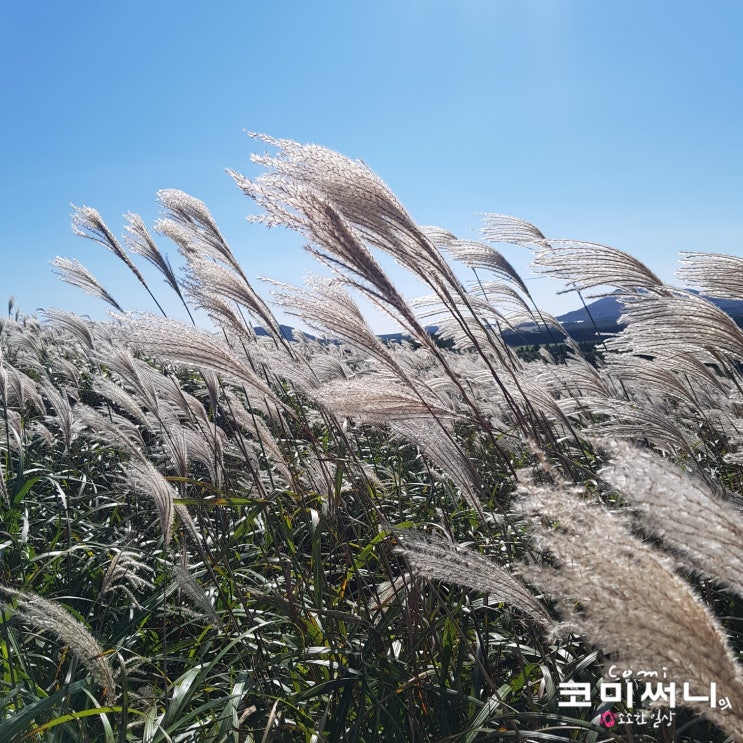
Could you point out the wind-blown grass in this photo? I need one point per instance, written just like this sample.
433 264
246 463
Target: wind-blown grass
225 536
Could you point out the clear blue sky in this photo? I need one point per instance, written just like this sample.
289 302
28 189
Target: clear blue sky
613 121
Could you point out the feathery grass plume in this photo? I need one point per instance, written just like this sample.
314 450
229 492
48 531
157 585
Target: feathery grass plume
184 516
438 559
143 477
3 484
184 405
484 336
374 399
212 281
261 434
475 255
624 597
355 192
681 510
191 588
505 297
174 341
73 272
630 420
88 223
441 449
500 228
587 265
72 324
109 429
677 322
134 374
333 241
123 574
329 367
64 419
368 206
329 309
52 617
114 393
18 388
140 242
224 315
191 226
643 376
575 378
714 274
185 444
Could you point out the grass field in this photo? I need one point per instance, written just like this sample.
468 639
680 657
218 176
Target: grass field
209 535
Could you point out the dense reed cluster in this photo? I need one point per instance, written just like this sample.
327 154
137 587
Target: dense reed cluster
217 534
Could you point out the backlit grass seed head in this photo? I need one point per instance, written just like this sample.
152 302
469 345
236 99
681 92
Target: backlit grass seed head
699 525
438 559
52 617
142 477
625 598
73 272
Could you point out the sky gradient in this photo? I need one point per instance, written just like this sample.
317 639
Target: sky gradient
610 121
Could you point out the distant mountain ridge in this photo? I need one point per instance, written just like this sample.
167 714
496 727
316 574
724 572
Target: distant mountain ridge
608 309
602 317
579 324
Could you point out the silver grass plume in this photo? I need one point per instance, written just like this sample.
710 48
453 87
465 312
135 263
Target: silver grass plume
88 223
18 388
173 341
475 255
329 309
677 322
625 597
63 419
504 295
680 509
225 316
191 226
356 193
213 282
109 428
184 516
366 205
116 394
441 449
143 477
332 240
378 400
191 588
630 420
500 228
262 437
140 242
123 574
184 444
587 265
714 274
641 376
133 373
73 272
52 617
72 324
439 559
